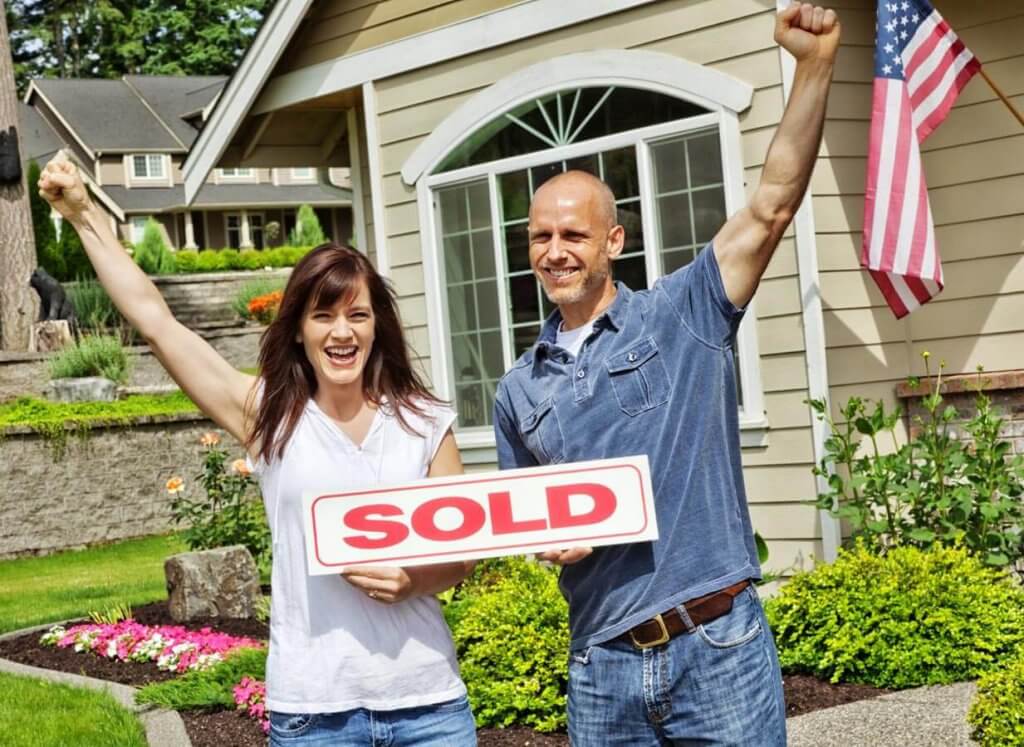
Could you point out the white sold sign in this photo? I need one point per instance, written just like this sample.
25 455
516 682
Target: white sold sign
445 519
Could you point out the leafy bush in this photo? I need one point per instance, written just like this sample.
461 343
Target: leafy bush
210 260
934 490
76 261
93 307
997 713
228 513
187 260
92 355
44 231
911 617
510 628
152 254
210 688
253 289
307 231
250 259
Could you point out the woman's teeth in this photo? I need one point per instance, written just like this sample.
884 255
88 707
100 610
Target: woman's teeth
345 354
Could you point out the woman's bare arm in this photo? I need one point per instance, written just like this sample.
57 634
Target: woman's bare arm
211 382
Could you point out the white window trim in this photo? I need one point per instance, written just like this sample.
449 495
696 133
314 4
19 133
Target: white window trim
753 422
249 217
302 179
165 164
248 178
131 226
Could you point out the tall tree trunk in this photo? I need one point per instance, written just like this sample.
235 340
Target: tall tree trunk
58 41
18 302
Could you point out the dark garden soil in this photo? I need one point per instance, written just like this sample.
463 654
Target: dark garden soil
232 729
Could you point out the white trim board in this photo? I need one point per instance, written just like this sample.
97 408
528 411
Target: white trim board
376 185
655 71
813 325
237 100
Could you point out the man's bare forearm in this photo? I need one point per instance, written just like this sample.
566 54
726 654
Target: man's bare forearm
794 149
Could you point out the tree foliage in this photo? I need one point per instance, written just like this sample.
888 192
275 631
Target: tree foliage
111 38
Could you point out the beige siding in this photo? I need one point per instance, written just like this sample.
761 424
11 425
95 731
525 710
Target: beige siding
338 27
733 36
974 166
112 170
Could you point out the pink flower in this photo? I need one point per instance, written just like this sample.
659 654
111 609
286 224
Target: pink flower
175 485
209 439
240 467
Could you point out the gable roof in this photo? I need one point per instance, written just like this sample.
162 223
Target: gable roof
38 140
135 113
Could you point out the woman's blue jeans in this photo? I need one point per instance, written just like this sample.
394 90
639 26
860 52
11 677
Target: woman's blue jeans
447 724
719 684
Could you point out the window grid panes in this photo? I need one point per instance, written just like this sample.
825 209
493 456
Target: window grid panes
472 290
149 166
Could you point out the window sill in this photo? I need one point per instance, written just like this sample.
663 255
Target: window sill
477 445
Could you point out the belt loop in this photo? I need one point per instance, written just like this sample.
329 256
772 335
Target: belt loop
685 617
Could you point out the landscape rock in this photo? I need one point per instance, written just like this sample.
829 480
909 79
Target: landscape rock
222 582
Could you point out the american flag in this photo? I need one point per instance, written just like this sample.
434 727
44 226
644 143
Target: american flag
920 67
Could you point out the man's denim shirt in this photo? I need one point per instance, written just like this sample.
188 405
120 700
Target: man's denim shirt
656 377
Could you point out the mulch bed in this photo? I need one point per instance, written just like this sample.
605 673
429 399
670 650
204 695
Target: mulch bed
231 729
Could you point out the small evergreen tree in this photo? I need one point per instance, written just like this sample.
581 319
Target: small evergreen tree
151 254
45 232
307 231
71 251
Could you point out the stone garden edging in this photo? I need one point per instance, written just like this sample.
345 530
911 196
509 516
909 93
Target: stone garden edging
164 728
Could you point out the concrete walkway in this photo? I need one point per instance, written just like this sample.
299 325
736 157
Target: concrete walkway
163 728
923 717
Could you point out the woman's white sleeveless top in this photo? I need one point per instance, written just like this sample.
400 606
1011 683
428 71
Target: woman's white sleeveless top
332 648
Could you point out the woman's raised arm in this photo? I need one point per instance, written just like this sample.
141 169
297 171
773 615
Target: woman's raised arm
220 391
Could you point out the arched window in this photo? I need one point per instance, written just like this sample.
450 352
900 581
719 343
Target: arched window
670 161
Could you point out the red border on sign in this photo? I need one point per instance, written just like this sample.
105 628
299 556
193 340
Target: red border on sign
316 545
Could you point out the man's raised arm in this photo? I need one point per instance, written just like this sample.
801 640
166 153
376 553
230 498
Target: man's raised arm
745 244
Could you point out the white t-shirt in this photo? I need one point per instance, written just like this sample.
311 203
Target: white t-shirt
332 648
573 339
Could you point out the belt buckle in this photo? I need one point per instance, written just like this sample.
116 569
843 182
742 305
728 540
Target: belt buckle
663 638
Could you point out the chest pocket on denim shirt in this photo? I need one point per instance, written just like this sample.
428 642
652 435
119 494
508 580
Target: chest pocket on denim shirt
638 377
542 433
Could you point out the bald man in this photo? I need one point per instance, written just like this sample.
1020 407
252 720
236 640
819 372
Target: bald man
669 643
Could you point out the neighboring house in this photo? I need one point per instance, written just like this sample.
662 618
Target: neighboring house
454 111
130 138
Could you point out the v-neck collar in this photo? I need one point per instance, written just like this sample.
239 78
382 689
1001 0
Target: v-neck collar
375 425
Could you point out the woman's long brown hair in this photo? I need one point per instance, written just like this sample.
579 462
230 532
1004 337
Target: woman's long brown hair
328 273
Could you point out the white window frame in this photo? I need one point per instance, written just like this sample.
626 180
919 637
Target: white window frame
660 73
240 174
250 215
160 158
297 176
137 236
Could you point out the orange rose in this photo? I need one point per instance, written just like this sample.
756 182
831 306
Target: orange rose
210 439
175 485
241 467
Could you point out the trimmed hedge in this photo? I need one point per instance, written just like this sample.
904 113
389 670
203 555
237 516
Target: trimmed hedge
510 626
911 617
997 713
224 260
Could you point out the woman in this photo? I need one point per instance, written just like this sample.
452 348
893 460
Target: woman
363 660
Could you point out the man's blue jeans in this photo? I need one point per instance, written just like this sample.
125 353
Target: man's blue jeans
717 685
447 724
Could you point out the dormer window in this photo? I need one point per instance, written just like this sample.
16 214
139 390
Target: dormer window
148 166
303 174
236 173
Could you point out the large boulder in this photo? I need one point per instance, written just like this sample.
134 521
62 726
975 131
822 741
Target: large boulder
222 582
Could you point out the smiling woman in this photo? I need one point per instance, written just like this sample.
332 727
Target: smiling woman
336 402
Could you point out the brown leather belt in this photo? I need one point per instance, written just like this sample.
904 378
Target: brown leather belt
666 626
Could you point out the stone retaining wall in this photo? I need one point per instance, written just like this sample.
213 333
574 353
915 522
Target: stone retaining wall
206 298
27 373
109 486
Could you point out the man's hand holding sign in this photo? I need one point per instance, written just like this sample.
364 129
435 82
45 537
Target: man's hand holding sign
539 509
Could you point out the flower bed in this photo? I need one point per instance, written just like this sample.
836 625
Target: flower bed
173 648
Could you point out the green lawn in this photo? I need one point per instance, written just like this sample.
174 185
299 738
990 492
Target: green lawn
34 713
75 583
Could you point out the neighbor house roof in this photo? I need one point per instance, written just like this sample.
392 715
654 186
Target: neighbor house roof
37 139
135 113
229 195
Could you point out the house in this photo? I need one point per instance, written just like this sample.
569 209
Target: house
453 112
131 136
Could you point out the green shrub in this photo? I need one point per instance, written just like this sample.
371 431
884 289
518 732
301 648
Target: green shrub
152 254
307 231
997 713
211 688
250 290
92 355
933 490
511 634
76 261
250 259
231 259
93 307
44 231
229 513
187 260
911 617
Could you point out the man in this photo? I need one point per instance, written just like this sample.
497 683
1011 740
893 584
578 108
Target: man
669 641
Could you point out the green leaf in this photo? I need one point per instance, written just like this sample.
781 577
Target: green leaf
922 535
762 548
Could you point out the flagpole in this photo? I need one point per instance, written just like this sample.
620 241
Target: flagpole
1000 94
